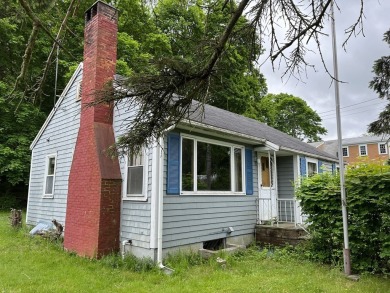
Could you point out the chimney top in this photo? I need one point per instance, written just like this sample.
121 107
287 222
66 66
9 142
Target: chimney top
101 8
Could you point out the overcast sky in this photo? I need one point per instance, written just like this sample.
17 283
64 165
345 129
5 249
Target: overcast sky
359 104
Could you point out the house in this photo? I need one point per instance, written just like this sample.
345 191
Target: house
217 175
372 148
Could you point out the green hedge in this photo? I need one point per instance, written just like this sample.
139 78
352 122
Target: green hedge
368 201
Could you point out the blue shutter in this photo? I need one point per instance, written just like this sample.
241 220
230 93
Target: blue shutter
173 162
302 165
249 171
333 168
320 166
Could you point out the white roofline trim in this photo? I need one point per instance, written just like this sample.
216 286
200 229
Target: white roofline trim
309 154
54 110
191 125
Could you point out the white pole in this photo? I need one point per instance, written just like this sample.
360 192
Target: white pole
347 263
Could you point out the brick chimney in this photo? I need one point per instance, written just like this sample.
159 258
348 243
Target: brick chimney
94 196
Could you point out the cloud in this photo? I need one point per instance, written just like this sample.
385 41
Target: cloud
358 102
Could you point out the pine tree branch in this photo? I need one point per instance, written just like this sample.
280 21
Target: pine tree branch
38 22
42 79
26 57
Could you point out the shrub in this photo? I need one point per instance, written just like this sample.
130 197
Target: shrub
368 197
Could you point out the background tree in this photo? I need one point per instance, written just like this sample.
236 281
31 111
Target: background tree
235 81
289 114
381 85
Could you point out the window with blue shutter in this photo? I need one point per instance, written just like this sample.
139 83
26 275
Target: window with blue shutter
249 171
173 163
302 166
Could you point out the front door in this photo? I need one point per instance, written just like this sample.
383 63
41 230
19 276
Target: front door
267 201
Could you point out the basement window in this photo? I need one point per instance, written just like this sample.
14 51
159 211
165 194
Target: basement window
215 244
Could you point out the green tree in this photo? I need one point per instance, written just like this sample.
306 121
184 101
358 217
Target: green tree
289 114
381 85
235 81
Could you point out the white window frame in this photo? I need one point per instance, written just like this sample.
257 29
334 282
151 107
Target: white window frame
313 161
379 148
360 151
47 160
144 195
232 175
347 148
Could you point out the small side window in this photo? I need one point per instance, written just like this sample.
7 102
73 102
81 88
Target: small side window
79 91
50 175
135 174
311 168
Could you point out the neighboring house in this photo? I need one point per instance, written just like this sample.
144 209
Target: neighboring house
216 171
373 148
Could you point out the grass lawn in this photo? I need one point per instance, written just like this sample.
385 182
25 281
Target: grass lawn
31 264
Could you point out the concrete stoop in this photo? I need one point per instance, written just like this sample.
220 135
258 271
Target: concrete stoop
280 236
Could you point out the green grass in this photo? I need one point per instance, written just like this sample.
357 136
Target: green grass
31 264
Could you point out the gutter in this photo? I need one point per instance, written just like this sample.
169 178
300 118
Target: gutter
194 125
309 154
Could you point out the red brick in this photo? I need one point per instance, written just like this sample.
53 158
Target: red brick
94 197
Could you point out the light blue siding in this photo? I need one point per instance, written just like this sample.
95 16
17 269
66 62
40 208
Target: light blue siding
135 215
285 173
58 138
192 219
285 170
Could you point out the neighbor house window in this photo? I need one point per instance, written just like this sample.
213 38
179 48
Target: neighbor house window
207 165
382 148
345 152
50 175
135 174
311 168
363 150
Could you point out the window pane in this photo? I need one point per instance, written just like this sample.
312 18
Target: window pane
311 168
345 152
187 167
238 170
136 159
135 180
52 163
363 151
49 184
213 167
382 148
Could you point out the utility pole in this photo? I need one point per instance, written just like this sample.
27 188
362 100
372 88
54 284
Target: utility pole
347 255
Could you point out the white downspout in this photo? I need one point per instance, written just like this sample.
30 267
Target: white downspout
160 203
276 186
154 197
259 214
160 167
270 182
